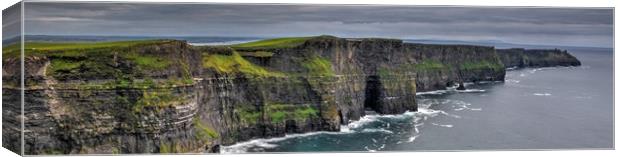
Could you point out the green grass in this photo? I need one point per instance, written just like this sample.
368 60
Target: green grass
115 150
429 65
156 99
149 62
235 63
55 46
204 132
257 54
165 148
64 65
481 65
248 116
278 113
273 43
305 113
318 66
277 116
105 60
147 83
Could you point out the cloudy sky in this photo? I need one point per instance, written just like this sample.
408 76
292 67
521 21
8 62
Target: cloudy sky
547 26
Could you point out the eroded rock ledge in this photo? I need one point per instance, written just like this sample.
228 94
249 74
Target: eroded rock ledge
165 96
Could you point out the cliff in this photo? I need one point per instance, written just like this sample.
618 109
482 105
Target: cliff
520 58
165 96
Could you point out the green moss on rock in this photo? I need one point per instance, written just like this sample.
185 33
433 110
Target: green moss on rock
427 65
318 66
157 100
481 65
257 54
236 64
203 131
248 116
149 62
278 113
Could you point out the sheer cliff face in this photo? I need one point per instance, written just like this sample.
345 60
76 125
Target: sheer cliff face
441 66
169 97
104 100
521 58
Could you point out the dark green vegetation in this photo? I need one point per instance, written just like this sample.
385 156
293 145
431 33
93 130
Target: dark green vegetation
124 63
481 65
248 116
278 113
157 100
318 66
234 63
204 131
69 48
426 65
257 54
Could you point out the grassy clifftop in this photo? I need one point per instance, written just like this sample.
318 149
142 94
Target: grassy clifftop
235 63
122 64
70 48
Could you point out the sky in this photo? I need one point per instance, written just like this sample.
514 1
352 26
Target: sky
11 21
541 26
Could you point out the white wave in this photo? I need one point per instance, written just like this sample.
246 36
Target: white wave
243 147
423 113
453 89
377 130
368 149
512 81
542 94
436 92
471 91
412 138
443 125
467 84
464 106
488 82
429 112
512 68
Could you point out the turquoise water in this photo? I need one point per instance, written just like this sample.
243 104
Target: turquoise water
535 108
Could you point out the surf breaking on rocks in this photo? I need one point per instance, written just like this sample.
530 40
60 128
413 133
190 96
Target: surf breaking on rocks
372 123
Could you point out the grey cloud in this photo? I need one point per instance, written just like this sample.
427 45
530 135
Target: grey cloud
508 24
11 21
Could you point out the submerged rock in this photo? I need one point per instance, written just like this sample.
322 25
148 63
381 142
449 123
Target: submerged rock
461 87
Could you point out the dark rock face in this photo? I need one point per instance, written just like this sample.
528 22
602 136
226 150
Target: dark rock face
441 66
189 107
369 73
520 58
